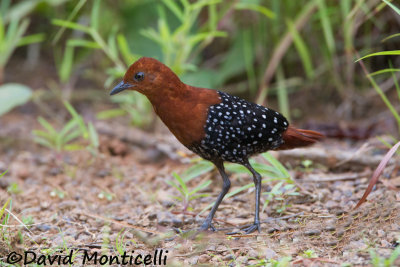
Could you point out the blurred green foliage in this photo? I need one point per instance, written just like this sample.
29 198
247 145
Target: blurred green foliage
389 70
256 48
12 95
67 138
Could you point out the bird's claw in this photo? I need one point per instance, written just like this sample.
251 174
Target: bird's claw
250 229
207 226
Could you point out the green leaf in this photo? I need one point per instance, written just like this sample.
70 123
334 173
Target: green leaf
78 118
71 136
43 134
201 36
43 142
1 175
261 9
83 43
94 138
71 16
68 127
201 4
4 207
71 25
326 25
73 147
30 39
181 183
94 18
393 257
383 53
12 95
45 124
395 8
390 70
179 188
391 36
274 162
66 64
174 8
196 170
111 113
172 183
126 53
200 187
302 50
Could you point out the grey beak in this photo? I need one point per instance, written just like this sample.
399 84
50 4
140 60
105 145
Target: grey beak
120 87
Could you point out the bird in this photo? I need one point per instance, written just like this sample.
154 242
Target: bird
215 125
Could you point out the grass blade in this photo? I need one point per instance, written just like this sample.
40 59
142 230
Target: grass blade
174 8
47 126
71 25
395 8
391 70
74 12
94 18
377 173
94 137
258 8
383 53
78 119
326 25
301 49
4 207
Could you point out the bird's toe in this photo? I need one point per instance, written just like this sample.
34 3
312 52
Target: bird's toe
250 229
207 226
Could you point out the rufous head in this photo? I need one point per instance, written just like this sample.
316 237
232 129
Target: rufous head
149 77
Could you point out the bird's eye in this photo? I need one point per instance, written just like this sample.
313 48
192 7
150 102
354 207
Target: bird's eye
139 76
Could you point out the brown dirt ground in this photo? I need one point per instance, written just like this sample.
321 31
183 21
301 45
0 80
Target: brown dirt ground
66 196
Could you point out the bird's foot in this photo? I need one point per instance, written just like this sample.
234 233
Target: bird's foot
207 225
250 229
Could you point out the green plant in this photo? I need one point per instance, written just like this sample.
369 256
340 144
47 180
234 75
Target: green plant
4 173
12 95
115 47
178 45
13 188
121 242
28 220
3 209
12 30
130 104
5 234
389 70
379 261
282 262
66 138
307 165
279 193
181 182
309 253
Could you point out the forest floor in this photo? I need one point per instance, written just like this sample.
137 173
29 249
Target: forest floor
74 202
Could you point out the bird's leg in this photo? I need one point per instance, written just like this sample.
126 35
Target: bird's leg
257 183
226 184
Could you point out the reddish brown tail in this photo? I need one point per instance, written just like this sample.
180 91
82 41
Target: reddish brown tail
299 138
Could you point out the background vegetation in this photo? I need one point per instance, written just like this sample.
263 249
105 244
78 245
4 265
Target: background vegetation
262 50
